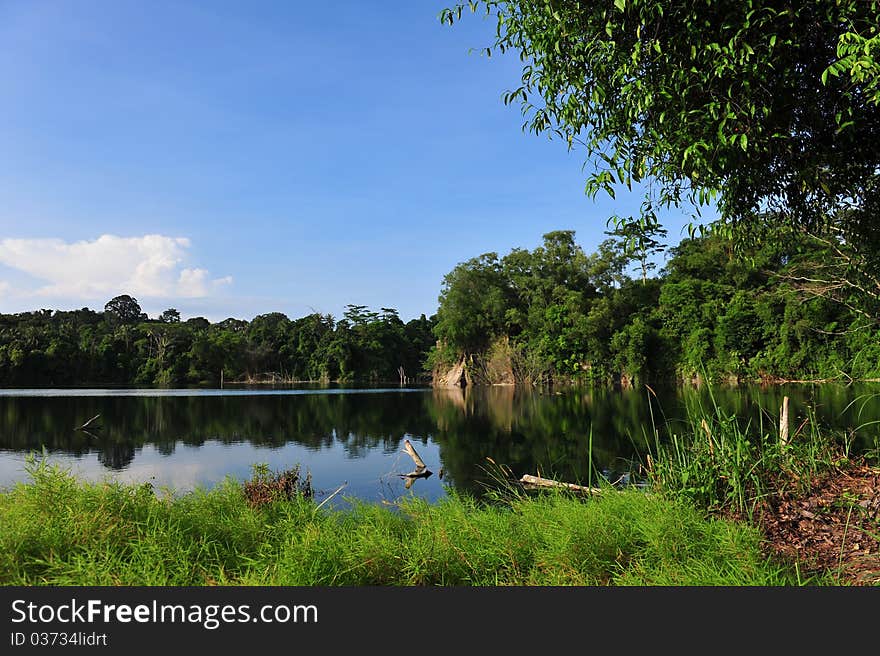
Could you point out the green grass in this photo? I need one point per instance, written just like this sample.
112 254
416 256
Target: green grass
57 530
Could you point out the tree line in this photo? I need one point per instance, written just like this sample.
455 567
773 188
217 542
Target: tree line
781 311
554 314
123 346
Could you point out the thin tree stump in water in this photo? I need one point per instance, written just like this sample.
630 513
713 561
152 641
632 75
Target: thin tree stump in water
783 422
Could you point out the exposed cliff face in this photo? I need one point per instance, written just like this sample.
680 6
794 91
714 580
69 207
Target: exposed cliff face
455 376
501 363
495 366
506 364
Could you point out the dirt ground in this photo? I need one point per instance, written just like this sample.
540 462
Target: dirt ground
833 527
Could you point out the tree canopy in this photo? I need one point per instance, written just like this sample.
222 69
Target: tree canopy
770 108
123 346
558 314
125 309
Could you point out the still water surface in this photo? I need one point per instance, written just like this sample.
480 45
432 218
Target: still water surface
183 438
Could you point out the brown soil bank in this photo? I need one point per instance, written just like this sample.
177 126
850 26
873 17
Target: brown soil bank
834 526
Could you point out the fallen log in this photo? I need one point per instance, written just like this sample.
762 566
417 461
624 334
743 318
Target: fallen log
530 481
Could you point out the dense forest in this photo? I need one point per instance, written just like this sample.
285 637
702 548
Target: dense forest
782 311
552 315
121 345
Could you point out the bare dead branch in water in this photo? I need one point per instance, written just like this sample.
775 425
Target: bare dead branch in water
408 447
421 470
338 490
88 423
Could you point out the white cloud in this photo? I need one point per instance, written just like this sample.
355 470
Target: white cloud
194 283
4 287
150 266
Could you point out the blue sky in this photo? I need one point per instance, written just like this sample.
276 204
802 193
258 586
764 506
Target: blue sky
231 159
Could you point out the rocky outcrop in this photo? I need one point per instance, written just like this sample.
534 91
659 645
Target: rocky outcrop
455 376
493 367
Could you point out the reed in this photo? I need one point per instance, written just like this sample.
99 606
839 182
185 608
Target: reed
720 462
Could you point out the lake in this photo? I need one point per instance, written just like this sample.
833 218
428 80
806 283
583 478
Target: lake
183 438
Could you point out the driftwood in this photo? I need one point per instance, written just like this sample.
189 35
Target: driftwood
421 470
88 423
530 481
